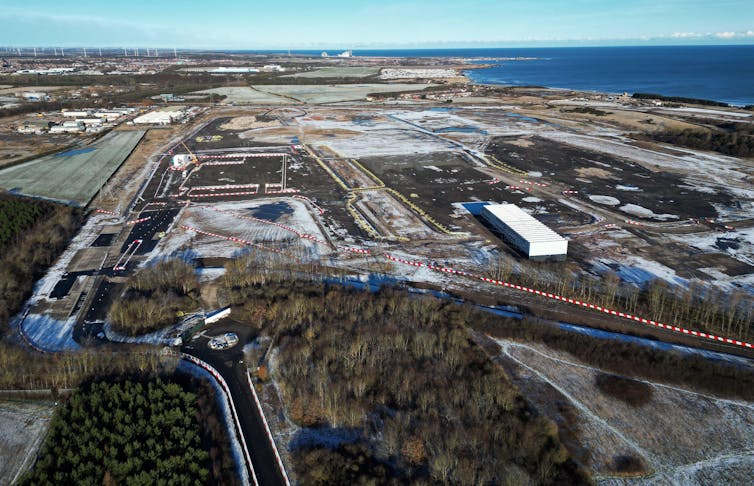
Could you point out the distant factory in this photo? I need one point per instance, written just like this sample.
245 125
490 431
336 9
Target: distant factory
525 233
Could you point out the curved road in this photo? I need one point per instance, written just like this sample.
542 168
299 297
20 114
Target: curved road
229 363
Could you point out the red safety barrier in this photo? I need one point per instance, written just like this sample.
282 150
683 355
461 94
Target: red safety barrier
137 221
321 211
635 223
624 315
104 211
269 432
224 386
229 162
540 184
241 155
234 239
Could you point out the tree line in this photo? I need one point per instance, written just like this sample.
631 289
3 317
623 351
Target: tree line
402 371
155 297
37 235
132 430
699 306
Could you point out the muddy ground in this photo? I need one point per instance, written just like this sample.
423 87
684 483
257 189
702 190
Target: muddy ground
595 174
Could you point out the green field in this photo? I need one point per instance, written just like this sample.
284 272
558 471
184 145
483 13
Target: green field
338 72
72 177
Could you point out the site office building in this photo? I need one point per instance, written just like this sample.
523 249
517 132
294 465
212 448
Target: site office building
525 233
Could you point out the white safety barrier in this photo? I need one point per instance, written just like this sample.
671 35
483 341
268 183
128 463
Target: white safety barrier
234 239
267 429
321 211
587 305
212 371
137 221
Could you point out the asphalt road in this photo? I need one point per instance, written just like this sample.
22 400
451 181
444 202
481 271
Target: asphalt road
229 363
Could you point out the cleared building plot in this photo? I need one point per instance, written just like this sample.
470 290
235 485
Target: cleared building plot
75 176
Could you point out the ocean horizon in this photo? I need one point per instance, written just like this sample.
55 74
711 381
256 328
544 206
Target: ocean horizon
718 73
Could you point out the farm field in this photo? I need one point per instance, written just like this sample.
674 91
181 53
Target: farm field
75 176
338 72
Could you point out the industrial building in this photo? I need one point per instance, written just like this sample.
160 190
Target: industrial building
525 233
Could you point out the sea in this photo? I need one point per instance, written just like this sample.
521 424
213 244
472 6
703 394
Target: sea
718 73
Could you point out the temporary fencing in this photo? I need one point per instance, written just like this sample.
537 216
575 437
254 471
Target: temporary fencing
668 327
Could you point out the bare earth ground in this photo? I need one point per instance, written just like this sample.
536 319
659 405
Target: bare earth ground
679 436
22 429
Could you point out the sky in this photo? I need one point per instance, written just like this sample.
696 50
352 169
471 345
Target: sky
314 24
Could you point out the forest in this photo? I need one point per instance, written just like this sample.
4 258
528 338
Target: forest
699 306
155 297
135 430
738 142
402 374
32 235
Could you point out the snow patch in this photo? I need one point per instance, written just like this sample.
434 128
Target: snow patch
643 212
606 200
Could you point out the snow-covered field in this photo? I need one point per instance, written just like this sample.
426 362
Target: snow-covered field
227 219
40 327
683 436
22 429
389 142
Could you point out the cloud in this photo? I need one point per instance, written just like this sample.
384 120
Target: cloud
685 35
726 35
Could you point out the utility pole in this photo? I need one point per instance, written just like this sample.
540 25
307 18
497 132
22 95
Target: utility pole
282 182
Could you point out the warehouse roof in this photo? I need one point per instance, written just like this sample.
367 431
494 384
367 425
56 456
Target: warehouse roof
522 223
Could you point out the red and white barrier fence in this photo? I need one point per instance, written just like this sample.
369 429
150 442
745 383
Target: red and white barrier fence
218 194
229 162
224 385
269 432
321 211
273 223
130 252
242 155
234 239
225 186
549 295
632 222
539 184
104 211
569 193
137 221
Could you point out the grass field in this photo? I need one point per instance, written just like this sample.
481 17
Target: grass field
338 92
338 72
75 176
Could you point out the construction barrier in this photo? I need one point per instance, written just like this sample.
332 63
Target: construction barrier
318 208
218 377
268 431
580 303
104 211
539 184
632 222
137 221
127 255
241 155
234 239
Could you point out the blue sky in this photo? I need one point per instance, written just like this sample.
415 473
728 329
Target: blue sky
302 24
